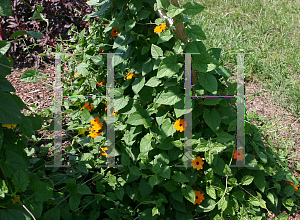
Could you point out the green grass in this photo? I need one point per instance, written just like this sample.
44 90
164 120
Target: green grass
267 29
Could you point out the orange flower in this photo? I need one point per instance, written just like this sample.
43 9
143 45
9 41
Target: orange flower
95 120
296 188
159 29
114 33
101 51
94 134
197 163
238 154
97 127
113 112
254 156
129 75
100 83
199 197
103 153
90 108
179 125
85 105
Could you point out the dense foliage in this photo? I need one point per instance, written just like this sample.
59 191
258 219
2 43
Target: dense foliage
149 127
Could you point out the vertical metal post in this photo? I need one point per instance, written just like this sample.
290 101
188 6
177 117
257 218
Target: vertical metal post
57 115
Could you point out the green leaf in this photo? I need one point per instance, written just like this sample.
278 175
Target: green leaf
121 102
283 216
212 101
144 187
273 199
223 71
29 75
194 33
173 11
165 171
113 213
20 180
1 138
26 126
222 205
260 181
5 85
239 195
180 110
153 82
138 117
52 214
156 51
224 137
167 129
169 97
43 191
168 67
177 195
82 69
148 66
247 180
145 50
84 189
218 166
158 21
74 201
164 36
10 60
189 193
154 180
19 33
13 214
263 157
232 126
192 8
145 145
135 171
171 186
119 193
5 8
180 206
212 119
138 84
4 46
208 81
289 190
37 35
129 25
36 208
210 190
142 14
179 46
123 39
179 177
15 160
98 60
4 70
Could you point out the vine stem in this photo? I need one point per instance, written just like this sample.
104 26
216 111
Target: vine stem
253 197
